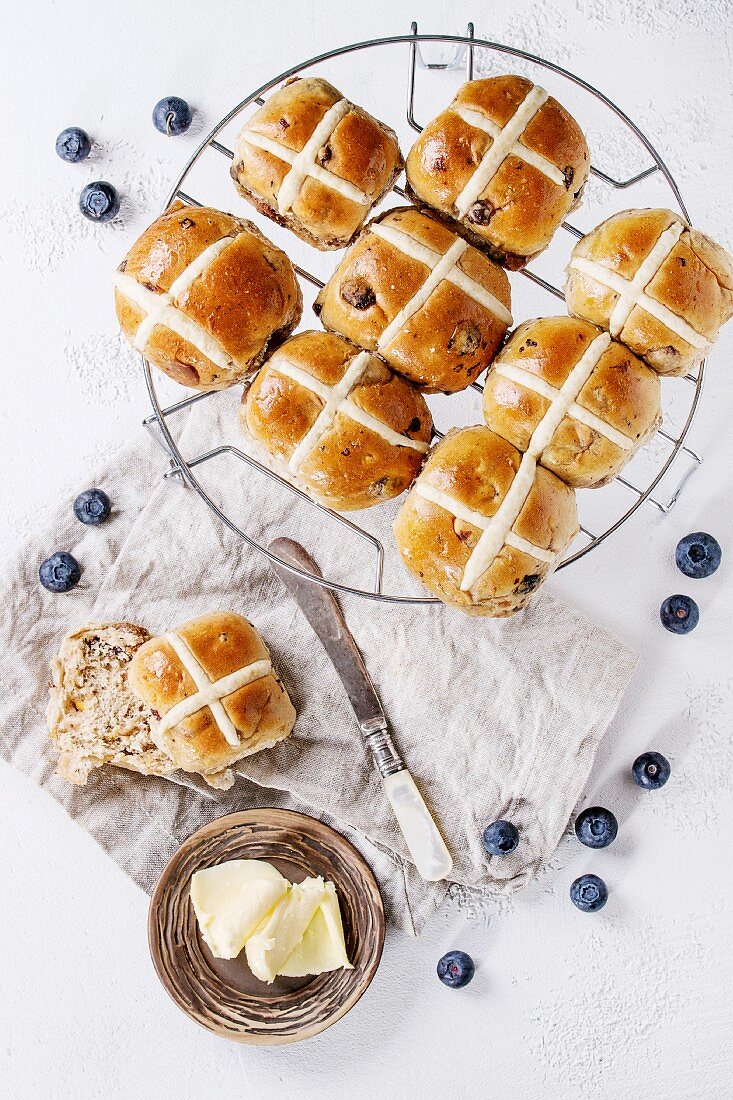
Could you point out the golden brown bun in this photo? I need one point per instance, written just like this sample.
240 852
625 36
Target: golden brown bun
221 643
350 465
360 150
93 717
476 467
621 393
245 301
447 343
516 214
695 282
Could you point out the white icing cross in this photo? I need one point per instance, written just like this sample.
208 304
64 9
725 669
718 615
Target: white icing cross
442 267
506 141
632 292
162 309
336 399
304 163
461 511
538 385
209 693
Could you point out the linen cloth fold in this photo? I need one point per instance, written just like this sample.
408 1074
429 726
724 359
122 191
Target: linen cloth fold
495 718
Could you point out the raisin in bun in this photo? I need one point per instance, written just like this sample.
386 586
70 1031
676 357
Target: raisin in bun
217 696
94 718
432 306
205 295
483 526
314 162
654 283
506 161
582 402
350 430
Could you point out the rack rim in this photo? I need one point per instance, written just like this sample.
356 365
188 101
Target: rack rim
182 469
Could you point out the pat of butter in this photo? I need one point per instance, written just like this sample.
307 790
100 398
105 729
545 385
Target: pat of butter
231 899
322 947
280 933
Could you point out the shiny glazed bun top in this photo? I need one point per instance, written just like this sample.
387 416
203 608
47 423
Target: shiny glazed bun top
204 295
661 287
315 162
581 401
430 304
506 161
484 525
349 428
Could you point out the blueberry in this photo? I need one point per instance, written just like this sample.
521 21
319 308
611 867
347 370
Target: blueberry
93 506
172 115
596 827
698 555
60 572
680 614
500 838
73 145
651 770
589 893
99 201
456 969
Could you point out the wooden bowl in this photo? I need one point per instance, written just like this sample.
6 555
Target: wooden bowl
222 994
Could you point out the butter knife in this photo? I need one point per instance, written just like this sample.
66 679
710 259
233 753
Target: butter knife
425 844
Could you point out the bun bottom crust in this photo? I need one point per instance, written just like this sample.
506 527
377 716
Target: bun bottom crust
287 221
511 260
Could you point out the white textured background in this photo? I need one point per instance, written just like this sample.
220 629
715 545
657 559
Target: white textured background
636 1001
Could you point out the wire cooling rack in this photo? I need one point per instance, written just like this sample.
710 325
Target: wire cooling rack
669 450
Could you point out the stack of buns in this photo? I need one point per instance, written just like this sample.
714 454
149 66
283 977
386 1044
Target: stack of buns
420 303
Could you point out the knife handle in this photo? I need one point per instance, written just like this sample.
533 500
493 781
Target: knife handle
424 842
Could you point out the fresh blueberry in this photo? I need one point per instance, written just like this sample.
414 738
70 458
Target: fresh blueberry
680 614
73 145
172 115
698 555
456 969
589 893
60 572
99 201
651 770
500 838
596 827
93 506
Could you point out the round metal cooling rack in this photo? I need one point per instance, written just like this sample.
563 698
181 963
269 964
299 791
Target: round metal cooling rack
464 51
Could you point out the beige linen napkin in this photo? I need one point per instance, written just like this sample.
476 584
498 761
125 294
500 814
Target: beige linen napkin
495 718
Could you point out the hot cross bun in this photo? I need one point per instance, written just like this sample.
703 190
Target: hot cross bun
484 526
582 402
314 162
205 296
350 430
661 287
506 161
212 686
432 306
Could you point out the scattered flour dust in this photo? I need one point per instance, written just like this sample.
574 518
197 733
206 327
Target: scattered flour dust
542 30
51 232
655 18
623 984
704 772
107 369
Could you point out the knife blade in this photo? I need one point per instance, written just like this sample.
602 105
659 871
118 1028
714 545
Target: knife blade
324 614
321 609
